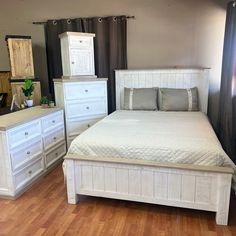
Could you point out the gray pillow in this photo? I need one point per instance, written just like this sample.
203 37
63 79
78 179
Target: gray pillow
178 99
140 99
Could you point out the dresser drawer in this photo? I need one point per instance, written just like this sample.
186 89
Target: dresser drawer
54 138
24 133
22 155
85 90
80 42
52 121
56 154
24 176
75 127
80 109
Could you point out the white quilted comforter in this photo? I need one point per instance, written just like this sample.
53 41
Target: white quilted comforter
177 137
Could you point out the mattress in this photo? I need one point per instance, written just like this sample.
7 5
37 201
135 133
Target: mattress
176 137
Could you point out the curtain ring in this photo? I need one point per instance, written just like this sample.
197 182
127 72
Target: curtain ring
114 18
68 21
100 19
54 22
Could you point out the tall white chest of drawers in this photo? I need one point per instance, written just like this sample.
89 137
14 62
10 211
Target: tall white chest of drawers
32 141
84 101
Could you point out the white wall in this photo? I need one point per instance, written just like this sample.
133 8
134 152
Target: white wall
165 32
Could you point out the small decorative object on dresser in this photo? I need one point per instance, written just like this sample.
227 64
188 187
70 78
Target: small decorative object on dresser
84 101
28 89
32 141
51 104
44 102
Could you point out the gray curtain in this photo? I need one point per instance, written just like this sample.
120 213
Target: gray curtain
110 47
227 110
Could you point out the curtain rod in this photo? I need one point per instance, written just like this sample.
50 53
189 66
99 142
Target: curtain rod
44 22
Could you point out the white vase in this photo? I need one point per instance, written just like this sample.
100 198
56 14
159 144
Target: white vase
29 103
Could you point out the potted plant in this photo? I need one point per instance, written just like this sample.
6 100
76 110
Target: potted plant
44 101
28 92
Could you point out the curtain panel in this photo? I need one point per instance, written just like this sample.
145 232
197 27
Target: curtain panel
110 47
227 109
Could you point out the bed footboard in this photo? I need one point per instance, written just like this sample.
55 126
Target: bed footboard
202 188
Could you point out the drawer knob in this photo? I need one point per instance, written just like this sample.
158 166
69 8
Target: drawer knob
28 152
30 172
53 121
87 108
54 138
81 41
56 154
89 125
26 133
72 62
86 90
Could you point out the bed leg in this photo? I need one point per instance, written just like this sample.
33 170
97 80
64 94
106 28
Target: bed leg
222 213
72 198
70 182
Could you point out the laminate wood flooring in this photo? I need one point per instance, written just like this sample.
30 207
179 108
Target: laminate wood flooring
43 210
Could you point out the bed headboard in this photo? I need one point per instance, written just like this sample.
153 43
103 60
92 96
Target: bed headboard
163 78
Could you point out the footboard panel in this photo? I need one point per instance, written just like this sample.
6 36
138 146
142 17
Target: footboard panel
159 185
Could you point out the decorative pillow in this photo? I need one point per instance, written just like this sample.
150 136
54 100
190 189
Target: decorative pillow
178 99
140 99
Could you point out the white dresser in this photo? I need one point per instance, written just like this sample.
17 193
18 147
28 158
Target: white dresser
32 141
84 101
77 53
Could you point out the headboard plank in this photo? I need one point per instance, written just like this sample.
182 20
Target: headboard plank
163 78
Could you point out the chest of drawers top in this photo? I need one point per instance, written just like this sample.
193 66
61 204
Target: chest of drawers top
20 117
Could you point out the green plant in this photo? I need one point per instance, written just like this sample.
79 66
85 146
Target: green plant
28 88
44 100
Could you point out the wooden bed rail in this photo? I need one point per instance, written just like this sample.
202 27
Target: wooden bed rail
217 169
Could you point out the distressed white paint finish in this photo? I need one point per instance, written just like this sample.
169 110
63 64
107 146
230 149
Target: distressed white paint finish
110 179
223 199
122 184
194 189
161 185
188 188
77 54
24 153
84 102
203 188
174 186
71 182
163 78
147 182
134 181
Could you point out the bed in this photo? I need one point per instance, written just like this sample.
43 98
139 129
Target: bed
132 155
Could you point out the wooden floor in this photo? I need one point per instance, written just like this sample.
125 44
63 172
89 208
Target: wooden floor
43 210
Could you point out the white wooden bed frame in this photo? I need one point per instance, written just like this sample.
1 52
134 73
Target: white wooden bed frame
180 185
